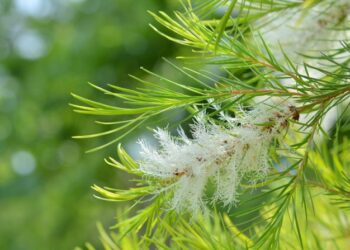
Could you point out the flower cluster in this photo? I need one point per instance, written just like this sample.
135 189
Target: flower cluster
311 30
305 34
224 154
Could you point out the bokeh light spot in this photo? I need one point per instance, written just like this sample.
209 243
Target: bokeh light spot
30 45
23 162
35 8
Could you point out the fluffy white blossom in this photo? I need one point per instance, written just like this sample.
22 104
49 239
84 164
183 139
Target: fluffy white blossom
312 30
222 153
308 30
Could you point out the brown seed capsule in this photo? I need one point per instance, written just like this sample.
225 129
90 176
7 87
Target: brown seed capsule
295 113
179 174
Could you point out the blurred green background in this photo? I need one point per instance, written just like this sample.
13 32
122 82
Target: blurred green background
48 49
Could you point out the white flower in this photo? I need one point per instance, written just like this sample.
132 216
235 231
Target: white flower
224 153
312 31
308 30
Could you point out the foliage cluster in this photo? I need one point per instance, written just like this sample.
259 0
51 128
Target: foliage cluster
302 203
